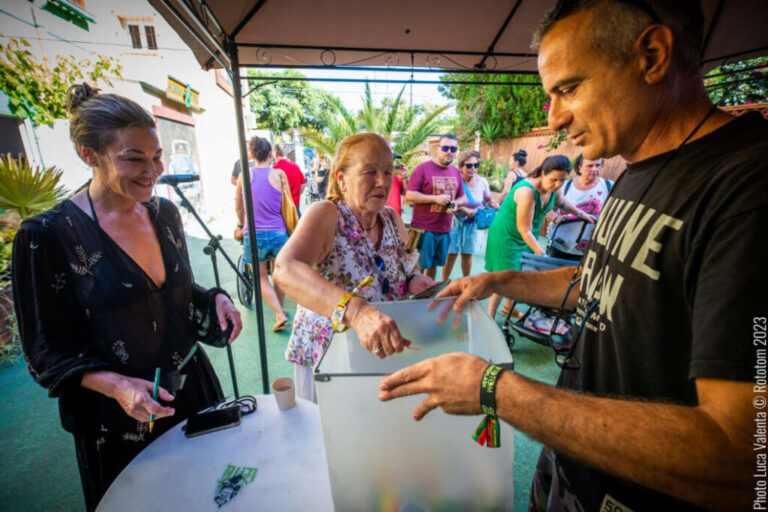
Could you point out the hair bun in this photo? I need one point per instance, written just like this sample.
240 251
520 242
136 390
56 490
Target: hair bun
78 93
522 152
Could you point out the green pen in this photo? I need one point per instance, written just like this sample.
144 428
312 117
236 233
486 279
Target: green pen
154 397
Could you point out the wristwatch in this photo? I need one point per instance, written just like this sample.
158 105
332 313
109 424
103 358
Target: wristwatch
338 313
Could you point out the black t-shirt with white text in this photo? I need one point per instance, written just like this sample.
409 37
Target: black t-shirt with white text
679 266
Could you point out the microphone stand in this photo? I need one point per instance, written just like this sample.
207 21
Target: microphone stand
210 250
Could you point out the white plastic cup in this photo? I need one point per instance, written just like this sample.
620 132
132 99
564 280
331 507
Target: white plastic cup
285 393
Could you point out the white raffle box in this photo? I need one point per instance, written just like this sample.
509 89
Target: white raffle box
379 458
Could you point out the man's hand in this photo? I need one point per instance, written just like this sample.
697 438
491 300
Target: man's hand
477 287
451 382
442 199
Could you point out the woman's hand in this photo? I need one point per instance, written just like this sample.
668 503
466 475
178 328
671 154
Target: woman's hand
133 394
225 310
419 283
135 397
378 333
585 216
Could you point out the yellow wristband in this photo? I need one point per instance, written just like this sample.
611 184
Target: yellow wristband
341 307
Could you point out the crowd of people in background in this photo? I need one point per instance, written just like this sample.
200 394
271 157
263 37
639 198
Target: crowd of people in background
446 200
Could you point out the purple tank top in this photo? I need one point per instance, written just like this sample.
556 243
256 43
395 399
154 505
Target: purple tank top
266 202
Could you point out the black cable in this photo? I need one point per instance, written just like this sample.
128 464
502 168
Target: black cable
247 404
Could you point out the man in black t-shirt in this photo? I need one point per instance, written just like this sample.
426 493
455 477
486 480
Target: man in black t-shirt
655 410
236 170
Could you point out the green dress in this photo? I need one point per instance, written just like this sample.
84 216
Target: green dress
505 245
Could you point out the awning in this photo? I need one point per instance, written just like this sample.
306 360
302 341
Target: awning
445 34
69 11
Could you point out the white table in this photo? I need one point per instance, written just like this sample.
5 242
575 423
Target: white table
180 473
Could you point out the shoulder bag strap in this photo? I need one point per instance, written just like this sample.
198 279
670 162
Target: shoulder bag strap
567 187
466 191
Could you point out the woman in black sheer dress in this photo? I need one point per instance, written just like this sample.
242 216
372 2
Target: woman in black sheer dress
104 294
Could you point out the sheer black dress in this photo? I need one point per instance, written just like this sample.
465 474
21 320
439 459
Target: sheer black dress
83 304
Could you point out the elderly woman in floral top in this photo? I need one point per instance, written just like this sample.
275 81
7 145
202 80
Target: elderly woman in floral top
338 243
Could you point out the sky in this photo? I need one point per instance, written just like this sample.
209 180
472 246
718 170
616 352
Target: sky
351 93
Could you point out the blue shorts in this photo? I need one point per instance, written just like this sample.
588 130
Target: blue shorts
433 249
462 236
268 244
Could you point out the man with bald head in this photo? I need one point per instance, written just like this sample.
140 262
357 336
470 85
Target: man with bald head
654 409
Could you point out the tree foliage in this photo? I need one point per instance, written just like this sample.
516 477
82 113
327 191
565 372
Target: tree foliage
38 91
404 126
496 111
286 104
739 83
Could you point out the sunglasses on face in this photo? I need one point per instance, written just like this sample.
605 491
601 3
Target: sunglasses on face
446 149
382 268
471 166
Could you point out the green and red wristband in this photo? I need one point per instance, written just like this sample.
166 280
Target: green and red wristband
488 433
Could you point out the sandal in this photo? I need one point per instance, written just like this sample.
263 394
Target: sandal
280 325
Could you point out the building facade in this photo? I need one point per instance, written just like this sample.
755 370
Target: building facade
194 108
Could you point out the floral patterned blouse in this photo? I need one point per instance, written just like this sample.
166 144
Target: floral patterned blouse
351 260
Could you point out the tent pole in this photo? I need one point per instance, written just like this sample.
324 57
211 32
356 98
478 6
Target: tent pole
237 93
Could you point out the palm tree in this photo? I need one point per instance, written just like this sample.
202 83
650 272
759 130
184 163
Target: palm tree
404 127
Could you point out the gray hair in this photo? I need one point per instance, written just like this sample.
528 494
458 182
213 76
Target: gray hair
281 150
615 39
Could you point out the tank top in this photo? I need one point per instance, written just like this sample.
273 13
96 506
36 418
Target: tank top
267 201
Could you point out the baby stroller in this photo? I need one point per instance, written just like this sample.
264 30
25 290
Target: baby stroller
244 291
552 327
569 239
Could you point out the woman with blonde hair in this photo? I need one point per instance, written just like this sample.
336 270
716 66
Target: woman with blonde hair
342 244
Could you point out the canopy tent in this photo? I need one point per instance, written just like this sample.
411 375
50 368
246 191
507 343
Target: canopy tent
451 35
445 34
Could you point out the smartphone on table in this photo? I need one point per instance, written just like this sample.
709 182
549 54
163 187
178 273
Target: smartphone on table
212 421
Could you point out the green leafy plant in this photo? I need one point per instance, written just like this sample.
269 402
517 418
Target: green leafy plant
24 191
9 224
38 91
555 140
10 341
492 172
739 83
405 127
514 108
280 105
28 190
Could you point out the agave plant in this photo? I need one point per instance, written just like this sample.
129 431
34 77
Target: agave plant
28 190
